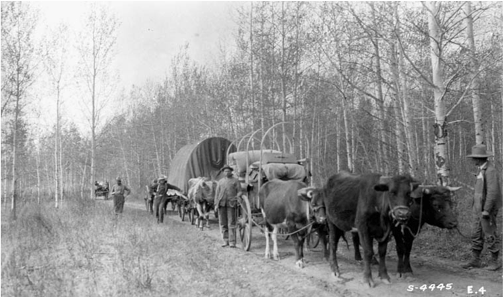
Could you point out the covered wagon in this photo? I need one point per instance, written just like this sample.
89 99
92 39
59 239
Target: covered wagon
202 159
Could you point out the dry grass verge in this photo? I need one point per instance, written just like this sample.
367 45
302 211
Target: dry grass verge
81 250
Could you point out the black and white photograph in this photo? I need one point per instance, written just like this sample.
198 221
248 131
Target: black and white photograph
252 148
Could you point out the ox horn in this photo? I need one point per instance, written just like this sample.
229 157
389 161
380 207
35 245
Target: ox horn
384 179
426 188
453 189
307 192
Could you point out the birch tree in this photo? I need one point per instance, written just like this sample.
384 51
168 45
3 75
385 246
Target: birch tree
18 52
96 49
55 60
474 72
440 126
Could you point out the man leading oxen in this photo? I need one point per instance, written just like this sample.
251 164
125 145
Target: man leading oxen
373 204
287 204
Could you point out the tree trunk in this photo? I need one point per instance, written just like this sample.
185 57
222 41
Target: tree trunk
348 136
252 89
5 186
398 137
380 97
57 151
440 126
93 129
475 85
39 177
15 150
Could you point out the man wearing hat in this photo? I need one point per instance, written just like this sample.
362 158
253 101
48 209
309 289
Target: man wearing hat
118 191
228 189
487 201
161 197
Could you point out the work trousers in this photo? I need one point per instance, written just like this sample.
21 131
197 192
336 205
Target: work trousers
157 205
119 203
479 236
227 222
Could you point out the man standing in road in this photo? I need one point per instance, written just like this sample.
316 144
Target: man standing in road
161 197
228 189
152 190
487 201
118 193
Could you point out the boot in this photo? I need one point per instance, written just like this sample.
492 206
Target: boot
494 263
475 262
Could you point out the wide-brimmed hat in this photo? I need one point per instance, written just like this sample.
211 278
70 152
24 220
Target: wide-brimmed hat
479 151
162 177
227 167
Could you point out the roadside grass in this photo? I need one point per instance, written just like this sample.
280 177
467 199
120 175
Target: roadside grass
80 249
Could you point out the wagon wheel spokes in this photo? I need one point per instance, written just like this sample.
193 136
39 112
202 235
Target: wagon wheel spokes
244 222
313 238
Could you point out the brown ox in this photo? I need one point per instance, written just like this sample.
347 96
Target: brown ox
202 193
286 204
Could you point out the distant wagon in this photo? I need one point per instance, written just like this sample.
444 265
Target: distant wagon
202 159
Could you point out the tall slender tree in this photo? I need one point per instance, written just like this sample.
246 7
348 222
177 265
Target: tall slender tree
474 71
97 50
18 53
55 59
440 125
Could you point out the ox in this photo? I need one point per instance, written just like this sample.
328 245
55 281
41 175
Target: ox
286 204
202 193
432 205
373 204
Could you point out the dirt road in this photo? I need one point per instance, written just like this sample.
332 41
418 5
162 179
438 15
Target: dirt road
432 276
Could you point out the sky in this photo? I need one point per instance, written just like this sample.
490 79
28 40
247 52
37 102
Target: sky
152 32
150 35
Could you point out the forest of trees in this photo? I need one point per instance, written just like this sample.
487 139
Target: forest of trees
390 87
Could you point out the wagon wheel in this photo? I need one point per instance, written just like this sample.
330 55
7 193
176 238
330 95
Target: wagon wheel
245 222
313 238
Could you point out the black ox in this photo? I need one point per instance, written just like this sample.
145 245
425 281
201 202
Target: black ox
436 205
373 204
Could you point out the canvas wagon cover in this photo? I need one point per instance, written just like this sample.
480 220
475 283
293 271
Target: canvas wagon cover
238 159
204 158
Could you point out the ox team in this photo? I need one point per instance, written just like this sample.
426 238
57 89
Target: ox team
372 207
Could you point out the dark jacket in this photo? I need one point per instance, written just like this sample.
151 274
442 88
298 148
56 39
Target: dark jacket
163 188
487 190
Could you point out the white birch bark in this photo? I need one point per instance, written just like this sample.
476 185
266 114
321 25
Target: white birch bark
440 125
